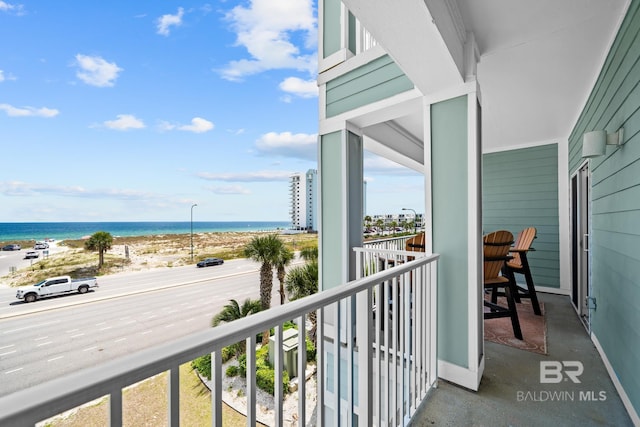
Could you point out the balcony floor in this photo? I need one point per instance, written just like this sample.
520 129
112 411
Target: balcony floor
510 374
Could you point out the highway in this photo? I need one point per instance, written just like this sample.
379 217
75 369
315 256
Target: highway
129 312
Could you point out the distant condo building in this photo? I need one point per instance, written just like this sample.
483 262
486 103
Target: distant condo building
303 188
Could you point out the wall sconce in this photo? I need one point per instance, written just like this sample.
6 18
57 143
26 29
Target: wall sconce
594 144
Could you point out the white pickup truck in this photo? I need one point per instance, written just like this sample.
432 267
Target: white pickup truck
56 286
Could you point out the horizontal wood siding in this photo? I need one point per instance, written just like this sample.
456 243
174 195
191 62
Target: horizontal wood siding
615 178
520 189
377 80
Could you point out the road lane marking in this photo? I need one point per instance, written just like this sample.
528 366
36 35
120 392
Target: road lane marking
7 346
77 335
55 358
73 330
40 338
90 348
44 343
146 332
106 328
130 322
101 323
53 322
191 320
13 370
8 352
169 325
120 340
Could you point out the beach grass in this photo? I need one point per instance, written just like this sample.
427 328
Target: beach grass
145 252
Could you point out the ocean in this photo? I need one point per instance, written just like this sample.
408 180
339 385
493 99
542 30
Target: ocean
12 231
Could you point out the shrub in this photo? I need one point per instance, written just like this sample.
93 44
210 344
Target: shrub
311 351
203 365
265 380
233 371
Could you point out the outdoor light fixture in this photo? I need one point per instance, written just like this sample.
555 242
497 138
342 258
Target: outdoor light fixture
594 144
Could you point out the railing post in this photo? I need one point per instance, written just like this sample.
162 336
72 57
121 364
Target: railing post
216 391
115 408
302 374
174 395
251 381
278 362
364 336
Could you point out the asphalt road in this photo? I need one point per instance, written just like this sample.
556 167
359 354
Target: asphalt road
129 312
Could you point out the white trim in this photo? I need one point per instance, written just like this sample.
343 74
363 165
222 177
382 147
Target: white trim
564 217
427 219
635 418
322 102
452 92
459 375
374 146
344 141
473 234
523 145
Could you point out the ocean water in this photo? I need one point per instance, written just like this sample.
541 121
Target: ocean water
11 231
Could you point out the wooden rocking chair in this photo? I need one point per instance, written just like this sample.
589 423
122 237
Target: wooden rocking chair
496 254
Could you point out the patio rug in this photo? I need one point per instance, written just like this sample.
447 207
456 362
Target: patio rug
534 328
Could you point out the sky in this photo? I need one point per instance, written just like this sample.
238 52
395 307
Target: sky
136 110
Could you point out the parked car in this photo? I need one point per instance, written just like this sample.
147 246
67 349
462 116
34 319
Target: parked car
210 261
31 254
41 245
13 247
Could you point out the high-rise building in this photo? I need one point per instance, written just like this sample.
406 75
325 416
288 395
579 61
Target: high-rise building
303 191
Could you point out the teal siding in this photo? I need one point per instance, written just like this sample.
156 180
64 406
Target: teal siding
331 27
377 80
332 187
450 230
520 189
615 179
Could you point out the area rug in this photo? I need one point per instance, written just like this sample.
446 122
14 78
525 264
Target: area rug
534 328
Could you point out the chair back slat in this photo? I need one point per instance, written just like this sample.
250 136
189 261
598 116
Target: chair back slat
523 243
496 247
416 243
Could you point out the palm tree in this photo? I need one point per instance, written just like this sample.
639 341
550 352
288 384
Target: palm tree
100 241
283 260
302 281
265 250
309 253
234 311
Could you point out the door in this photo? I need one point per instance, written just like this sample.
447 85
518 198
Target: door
580 243
56 286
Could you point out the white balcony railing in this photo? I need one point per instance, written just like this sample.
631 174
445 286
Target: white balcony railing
395 354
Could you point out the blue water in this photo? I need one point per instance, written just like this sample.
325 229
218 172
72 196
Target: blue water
10 231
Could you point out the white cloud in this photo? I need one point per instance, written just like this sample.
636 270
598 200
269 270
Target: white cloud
168 20
9 7
286 144
2 76
5 77
28 111
230 189
124 122
95 71
299 87
198 125
265 29
20 188
259 176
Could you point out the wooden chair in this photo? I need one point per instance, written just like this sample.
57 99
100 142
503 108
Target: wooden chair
520 264
496 254
415 244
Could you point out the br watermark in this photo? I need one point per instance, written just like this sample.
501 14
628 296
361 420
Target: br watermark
558 372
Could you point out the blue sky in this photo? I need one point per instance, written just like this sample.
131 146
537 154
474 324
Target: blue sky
135 110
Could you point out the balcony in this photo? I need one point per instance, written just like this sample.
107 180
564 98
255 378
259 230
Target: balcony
385 369
397 373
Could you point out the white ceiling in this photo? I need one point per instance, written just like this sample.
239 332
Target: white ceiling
538 58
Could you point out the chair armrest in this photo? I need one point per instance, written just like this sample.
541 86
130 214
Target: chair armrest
498 258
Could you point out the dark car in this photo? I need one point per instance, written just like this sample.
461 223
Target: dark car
210 261
12 248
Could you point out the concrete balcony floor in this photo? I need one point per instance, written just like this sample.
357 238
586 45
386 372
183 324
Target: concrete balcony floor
511 393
